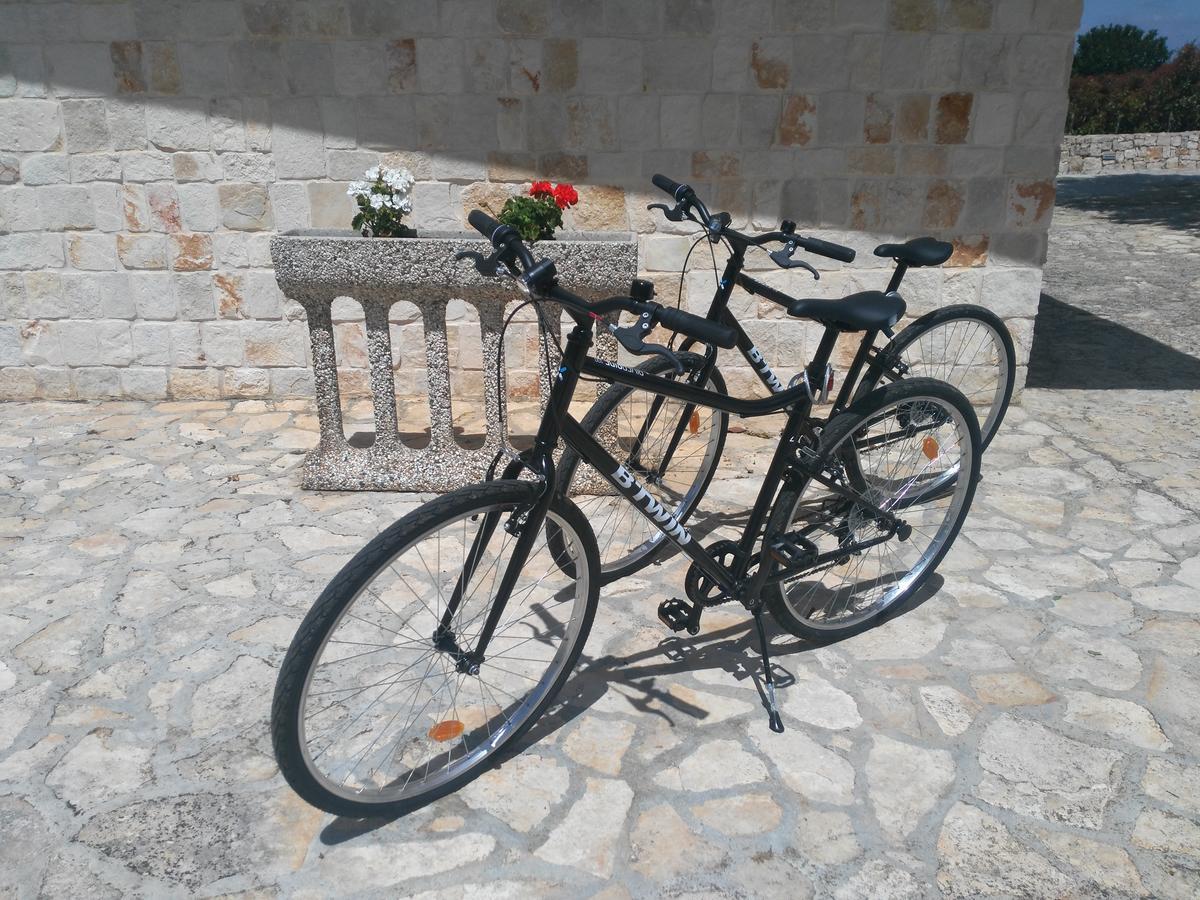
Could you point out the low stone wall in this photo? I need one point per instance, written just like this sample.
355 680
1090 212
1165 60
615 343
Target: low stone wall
1089 154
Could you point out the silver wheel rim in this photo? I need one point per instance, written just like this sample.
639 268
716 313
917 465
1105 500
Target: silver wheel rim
969 354
488 705
623 535
840 596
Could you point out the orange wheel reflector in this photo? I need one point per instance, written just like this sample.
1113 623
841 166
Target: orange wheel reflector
930 447
446 731
694 421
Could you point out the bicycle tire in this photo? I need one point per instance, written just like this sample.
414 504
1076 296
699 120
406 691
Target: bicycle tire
615 564
470 505
989 411
840 443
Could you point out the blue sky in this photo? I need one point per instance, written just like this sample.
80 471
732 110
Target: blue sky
1178 20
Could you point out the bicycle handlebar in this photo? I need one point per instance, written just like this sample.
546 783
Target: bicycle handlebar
685 196
540 278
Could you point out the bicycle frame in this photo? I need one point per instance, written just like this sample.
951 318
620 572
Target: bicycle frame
718 311
557 423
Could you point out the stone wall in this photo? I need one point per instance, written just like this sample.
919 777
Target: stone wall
148 149
1090 154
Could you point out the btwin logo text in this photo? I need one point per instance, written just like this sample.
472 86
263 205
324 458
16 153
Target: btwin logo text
653 508
773 382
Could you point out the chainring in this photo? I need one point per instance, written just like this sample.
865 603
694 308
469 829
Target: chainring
703 590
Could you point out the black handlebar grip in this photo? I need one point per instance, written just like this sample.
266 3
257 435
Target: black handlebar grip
828 249
483 223
674 188
696 327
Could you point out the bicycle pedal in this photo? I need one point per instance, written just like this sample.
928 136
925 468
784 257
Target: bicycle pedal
794 552
679 615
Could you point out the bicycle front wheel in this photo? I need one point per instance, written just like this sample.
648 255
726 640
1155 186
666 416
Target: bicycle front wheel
374 711
885 449
671 447
966 346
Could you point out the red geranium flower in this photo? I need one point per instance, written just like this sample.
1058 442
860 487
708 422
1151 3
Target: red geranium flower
541 189
565 195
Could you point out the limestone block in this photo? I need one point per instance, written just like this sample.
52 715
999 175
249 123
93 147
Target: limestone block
200 207
30 251
153 295
95 167
151 343
147 166
194 294
94 252
85 124
97 382
179 125
82 69
143 384
19 209
50 168
142 251
245 207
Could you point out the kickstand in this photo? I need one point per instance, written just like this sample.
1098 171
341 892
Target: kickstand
772 709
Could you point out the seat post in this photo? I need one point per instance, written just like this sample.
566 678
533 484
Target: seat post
897 277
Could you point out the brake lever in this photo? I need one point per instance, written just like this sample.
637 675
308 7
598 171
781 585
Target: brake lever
674 214
783 259
488 266
630 337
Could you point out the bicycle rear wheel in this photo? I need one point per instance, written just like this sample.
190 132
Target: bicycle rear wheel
373 713
886 448
644 426
966 346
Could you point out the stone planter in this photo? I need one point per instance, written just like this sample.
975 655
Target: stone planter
314 268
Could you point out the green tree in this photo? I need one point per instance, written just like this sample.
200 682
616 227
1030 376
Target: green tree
1113 49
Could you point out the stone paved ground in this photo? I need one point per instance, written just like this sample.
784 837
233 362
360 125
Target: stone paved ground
1028 729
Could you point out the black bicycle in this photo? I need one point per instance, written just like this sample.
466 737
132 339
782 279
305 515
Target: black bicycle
450 633
677 446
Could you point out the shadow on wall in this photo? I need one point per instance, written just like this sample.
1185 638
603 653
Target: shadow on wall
767 106
1136 199
1075 349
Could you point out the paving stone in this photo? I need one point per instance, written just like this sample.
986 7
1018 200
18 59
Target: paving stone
586 838
1106 866
1174 784
952 711
826 837
1105 662
521 792
906 781
734 816
716 764
103 766
1120 718
815 700
978 855
1097 609
1168 833
664 847
1034 771
1010 689
265 835
808 768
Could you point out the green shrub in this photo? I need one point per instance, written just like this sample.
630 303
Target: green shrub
1166 99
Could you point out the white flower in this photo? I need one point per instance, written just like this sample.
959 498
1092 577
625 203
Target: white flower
399 180
358 189
377 201
372 174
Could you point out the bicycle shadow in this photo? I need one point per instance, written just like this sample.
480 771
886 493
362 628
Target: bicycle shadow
732 649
